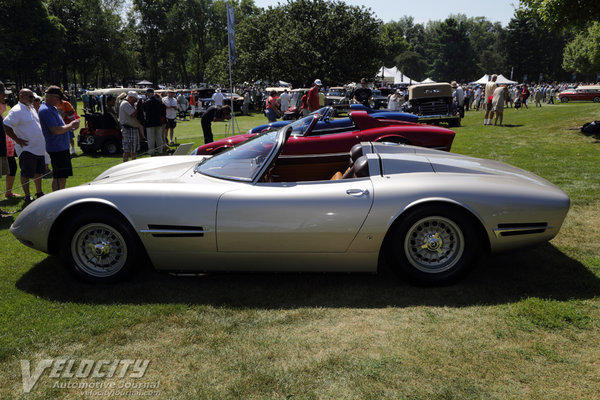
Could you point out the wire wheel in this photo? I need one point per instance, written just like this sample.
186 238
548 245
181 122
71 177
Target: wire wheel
98 250
434 244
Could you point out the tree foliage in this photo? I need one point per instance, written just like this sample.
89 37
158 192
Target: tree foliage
582 54
117 42
310 39
564 14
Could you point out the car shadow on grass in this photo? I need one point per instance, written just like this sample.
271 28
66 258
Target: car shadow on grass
543 272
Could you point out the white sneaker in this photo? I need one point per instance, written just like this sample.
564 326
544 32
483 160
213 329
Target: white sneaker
72 150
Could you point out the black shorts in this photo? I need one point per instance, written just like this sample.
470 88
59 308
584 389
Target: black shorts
171 123
12 166
31 164
61 164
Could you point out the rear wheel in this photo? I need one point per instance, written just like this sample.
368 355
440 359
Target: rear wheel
596 99
434 244
99 247
564 99
110 147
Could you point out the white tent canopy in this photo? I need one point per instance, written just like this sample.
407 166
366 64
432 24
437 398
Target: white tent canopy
428 80
394 75
387 74
501 80
401 78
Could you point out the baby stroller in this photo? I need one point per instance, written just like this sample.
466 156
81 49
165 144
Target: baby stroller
518 103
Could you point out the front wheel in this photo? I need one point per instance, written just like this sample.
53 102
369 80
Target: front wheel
596 99
434 244
564 99
99 247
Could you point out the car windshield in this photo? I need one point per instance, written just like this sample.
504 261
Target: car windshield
241 162
300 126
336 93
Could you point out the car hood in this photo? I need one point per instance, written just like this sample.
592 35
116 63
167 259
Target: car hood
155 169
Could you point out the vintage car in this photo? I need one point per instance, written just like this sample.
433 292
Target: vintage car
228 97
432 102
250 208
335 136
378 99
581 93
338 98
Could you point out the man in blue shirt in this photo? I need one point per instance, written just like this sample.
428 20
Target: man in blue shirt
57 137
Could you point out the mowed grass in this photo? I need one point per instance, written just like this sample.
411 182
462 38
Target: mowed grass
523 325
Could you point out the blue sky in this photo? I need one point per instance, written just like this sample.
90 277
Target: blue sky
425 10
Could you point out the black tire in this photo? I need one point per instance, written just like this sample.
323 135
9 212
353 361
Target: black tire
110 147
453 123
99 246
596 99
434 244
564 99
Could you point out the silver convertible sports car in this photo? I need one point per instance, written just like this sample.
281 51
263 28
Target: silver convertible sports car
429 212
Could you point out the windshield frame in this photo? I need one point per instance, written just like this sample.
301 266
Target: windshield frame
278 143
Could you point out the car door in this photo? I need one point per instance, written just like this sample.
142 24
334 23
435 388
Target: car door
292 217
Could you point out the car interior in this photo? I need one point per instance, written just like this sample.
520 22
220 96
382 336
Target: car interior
302 169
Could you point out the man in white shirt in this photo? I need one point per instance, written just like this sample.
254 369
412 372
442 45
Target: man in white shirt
22 125
284 100
395 100
218 98
170 103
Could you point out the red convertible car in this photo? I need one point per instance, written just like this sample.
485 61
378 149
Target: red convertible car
328 137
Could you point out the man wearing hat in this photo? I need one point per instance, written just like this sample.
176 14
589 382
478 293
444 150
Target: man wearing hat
130 126
22 125
170 103
56 133
313 96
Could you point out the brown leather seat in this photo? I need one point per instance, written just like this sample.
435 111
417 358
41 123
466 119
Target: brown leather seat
336 176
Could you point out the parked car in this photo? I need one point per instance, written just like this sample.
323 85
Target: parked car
320 133
238 102
379 100
581 93
338 98
251 208
432 102
330 112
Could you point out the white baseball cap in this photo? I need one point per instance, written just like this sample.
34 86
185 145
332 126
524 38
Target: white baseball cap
318 82
132 93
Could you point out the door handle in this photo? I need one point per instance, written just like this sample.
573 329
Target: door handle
357 192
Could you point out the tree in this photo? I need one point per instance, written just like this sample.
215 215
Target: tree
23 53
525 52
564 14
412 64
393 41
582 54
453 55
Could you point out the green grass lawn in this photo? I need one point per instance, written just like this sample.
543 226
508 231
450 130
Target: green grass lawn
523 325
